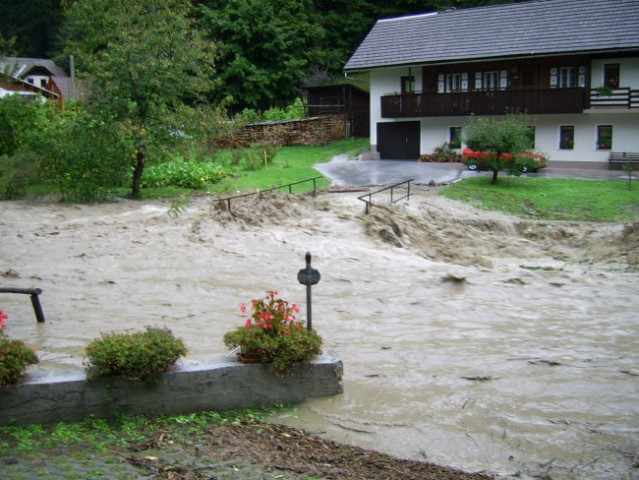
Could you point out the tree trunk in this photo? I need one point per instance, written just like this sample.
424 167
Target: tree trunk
137 174
496 170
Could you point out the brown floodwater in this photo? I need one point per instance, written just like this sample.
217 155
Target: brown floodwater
468 339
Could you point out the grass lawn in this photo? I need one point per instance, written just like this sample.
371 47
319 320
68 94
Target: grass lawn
294 164
551 198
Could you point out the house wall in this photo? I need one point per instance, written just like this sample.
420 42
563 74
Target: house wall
435 130
628 71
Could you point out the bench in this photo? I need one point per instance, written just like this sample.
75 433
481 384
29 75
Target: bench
618 160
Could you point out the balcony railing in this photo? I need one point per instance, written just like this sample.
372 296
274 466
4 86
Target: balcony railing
498 102
614 97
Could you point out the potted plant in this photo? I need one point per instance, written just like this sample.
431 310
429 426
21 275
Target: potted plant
272 334
15 356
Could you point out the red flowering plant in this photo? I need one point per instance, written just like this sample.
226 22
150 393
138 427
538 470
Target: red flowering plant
273 334
15 356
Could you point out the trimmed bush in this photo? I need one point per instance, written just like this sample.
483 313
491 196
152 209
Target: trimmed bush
139 356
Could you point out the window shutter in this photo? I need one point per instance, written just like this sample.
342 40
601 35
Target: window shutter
581 77
503 80
553 78
441 86
477 80
464 82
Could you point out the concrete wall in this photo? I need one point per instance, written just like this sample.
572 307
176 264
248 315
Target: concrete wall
221 385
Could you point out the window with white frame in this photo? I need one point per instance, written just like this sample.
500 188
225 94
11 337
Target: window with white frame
567 77
452 82
491 80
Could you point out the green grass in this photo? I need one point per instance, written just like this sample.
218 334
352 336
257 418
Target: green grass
294 164
551 198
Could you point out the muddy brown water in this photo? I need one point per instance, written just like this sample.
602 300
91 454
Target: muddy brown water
469 339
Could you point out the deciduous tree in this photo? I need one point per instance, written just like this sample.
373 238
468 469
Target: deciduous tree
498 136
149 68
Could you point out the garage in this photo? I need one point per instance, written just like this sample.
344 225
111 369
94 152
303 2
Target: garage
398 140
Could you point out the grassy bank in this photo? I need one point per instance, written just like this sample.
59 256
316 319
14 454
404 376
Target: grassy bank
551 198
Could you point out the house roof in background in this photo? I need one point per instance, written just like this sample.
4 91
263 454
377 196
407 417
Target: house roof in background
20 67
540 27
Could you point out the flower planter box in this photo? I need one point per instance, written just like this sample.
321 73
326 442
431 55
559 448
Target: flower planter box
222 384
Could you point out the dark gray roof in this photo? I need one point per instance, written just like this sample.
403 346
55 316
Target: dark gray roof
541 27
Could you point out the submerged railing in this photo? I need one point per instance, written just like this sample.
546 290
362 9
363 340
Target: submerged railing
227 200
405 185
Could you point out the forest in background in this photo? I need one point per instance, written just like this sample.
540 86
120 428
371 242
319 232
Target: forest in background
266 49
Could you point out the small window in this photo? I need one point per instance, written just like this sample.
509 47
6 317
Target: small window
43 82
567 137
454 137
408 84
611 75
604 137
567 77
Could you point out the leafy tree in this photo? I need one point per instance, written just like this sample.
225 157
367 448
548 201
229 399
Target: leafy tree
33 23
498 136
265 47
150 72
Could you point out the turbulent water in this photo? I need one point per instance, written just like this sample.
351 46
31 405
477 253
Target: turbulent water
469 339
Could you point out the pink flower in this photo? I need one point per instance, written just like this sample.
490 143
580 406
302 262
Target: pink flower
3 317
248 323
243 308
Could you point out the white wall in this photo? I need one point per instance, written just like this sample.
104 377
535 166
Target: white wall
628 72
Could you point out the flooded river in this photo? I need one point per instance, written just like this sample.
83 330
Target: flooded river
469 339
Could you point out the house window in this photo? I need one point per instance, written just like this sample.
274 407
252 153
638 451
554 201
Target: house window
567 77
604 137
454 137
567 137
452 82
491 80
408 84
43 82
611 75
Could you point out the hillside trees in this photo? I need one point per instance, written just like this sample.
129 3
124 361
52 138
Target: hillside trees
150 70
265 49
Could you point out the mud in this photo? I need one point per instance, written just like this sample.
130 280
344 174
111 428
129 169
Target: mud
470 339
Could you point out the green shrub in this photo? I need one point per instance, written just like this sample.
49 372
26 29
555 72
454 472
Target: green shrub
15 356
195 175
139 356
442 154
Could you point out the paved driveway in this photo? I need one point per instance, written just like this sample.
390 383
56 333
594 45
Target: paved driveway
345 172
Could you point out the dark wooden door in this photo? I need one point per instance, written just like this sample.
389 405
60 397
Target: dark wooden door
398 140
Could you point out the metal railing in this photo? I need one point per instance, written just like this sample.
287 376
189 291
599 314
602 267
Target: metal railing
405 185
227 200
35 301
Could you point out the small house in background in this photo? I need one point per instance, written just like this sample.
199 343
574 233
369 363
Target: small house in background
348 97
33 76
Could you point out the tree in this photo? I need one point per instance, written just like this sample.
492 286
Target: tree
496 137
150 71
265 48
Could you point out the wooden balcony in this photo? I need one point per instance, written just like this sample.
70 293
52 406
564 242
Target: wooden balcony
497 102
614 97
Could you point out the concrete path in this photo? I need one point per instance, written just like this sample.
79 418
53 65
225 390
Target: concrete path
348 172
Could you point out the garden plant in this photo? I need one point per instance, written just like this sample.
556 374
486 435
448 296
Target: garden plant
272 334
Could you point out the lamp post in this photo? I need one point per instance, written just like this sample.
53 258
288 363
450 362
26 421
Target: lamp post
308 276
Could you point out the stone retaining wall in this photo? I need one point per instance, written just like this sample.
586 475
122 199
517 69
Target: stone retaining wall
308 131
220 385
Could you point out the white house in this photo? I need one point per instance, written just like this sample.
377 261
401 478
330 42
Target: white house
571 65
